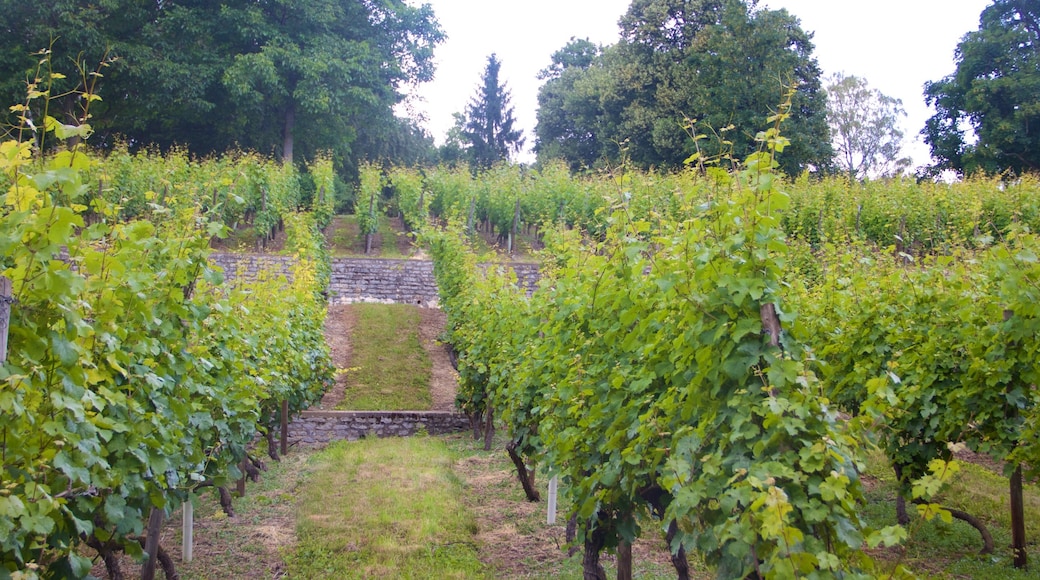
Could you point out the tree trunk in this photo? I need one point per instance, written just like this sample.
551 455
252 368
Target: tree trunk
624 560
272 445
287 134
901 516
591 567
108 556
679 561
571 534
523 474
226 502
489 429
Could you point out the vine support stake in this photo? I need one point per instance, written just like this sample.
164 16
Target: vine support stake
5 315
242 481
1018 517
151 543
550 516
187 530
285 427
770 323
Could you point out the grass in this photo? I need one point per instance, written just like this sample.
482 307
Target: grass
516 542
345 240
951 550
390 370
384 508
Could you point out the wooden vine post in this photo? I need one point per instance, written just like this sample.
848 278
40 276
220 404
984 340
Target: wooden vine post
1018 518
371 215
151 543
5 315
285 427
242 481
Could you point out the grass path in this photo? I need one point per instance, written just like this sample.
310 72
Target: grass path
386 508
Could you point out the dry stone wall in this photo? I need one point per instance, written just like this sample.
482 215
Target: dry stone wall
321 427
365 279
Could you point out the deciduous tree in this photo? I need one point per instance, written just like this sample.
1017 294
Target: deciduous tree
688 67
994 93
865 129
279 76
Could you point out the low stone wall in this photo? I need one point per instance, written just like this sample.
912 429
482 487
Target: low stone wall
247 266
365 279
321 427
382 280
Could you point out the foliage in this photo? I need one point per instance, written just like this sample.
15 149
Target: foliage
684 69
864 127
134 376
652 388
324 177
270 76
489 121
994 91
567 114
409 194
369 195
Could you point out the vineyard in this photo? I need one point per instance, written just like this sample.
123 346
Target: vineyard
136 378
709 356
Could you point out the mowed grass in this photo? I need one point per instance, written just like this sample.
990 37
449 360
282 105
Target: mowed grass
345 239
389 370
936 549
384 508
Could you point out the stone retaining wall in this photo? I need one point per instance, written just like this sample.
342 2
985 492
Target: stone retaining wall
321 427
382 280
365 279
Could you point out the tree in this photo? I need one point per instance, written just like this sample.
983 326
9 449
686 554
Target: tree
994 93
489 121
683 68
569 108
864 126
279 76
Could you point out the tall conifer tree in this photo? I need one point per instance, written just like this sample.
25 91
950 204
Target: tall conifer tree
489 121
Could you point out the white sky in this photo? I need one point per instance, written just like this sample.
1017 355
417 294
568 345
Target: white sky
896 45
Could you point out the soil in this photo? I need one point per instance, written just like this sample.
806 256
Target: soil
339 325
505 524
344 239
402 239
245 241
444 380
252 544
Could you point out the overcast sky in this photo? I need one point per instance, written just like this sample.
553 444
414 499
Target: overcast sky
897 45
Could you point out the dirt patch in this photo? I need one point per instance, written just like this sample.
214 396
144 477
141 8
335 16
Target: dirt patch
402 239
245 239
443 378
512 532
250 545
339 325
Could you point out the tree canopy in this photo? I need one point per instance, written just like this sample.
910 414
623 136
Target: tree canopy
489 120
276 75
994 93
681 69
865 129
